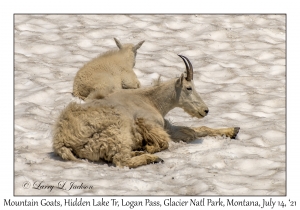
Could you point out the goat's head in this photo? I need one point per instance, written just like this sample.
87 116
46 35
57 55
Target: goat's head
130 49
187 97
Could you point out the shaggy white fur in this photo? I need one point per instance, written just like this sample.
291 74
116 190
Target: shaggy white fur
128 126
108 72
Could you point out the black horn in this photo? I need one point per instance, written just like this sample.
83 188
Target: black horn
189 68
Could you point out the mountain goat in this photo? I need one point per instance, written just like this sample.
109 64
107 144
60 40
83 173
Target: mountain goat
128 126
109 72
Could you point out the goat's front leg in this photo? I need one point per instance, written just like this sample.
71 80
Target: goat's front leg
206 131
187 134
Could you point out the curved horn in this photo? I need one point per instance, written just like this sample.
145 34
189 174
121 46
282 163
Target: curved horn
189 68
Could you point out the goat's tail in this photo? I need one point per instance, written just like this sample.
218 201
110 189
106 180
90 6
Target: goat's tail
63 151
62 136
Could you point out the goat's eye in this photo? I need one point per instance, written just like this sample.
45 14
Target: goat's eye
189 88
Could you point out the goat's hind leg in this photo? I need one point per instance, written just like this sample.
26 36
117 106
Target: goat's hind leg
99 92
143 159
135 159
155 137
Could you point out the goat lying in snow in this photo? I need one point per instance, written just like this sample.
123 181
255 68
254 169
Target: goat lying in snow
128 126
107 73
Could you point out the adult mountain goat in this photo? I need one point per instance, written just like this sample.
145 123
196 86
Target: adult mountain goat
109 72
128 126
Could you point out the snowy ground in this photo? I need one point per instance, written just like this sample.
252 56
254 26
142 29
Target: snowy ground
239 63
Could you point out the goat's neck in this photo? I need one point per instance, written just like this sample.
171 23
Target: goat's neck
163 97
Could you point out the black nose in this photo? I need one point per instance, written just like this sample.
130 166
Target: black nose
206 111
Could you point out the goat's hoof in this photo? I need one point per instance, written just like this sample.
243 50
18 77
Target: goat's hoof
159 160
235 132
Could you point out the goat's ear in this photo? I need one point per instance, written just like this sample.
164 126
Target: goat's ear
118 43
179 82
136 47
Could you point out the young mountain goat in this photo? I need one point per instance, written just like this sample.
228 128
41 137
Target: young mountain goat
128 126
107 73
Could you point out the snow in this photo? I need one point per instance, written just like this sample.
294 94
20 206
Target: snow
239 64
